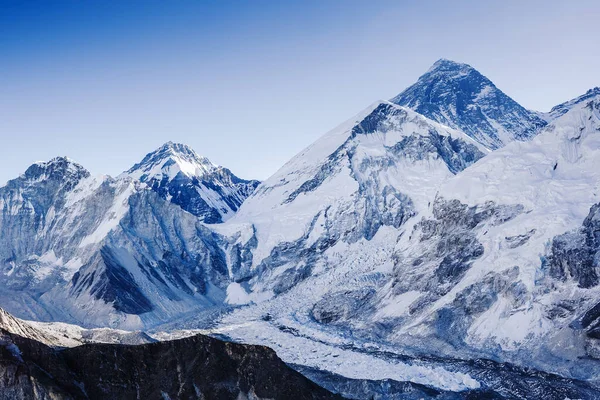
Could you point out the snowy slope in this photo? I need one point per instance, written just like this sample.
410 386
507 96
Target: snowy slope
384 146
376 170
497 259
58 334
179 174
565 107
515 266
457 95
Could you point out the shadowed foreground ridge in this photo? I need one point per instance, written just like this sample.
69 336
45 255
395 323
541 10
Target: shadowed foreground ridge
197 367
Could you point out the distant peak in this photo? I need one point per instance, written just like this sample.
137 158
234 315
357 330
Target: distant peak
56 168
445 65
566 106
170 159
176 148
445 61
595 90
55 160
457 95
60 162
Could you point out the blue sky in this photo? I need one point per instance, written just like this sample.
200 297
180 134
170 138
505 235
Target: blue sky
250 83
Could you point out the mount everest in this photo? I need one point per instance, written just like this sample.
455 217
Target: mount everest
457 95
447 224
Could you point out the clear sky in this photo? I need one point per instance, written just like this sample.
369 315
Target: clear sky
250 83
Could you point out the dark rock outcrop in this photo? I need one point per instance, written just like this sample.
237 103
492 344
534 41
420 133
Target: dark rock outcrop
574 254
197 367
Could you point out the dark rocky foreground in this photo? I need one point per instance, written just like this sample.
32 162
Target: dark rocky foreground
197 367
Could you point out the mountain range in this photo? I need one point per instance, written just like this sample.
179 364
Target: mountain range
448 238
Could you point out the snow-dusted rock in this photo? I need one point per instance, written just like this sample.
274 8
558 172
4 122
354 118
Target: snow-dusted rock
101 251
179 174
457 95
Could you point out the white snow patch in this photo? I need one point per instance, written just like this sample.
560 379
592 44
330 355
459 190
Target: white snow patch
113 217
236 294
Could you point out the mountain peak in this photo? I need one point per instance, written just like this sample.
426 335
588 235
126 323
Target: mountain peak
459 96
57 167
181 150
176 172
563 108
58 162
445 65
176 148
170 159
594 91
53 176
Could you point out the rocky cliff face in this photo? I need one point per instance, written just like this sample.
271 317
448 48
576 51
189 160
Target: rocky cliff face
198 367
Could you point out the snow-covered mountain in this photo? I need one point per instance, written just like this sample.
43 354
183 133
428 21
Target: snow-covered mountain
371 174
546 251
498 259
457 95
391 248
563 108
179 174
101 251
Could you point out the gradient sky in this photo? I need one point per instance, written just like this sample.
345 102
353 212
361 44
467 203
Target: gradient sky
250 83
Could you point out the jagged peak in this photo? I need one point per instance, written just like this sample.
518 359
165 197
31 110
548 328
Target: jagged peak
58 161
446 65
457 95
61 170
170 159
56 167
447 71
563 108
179 150
443 72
